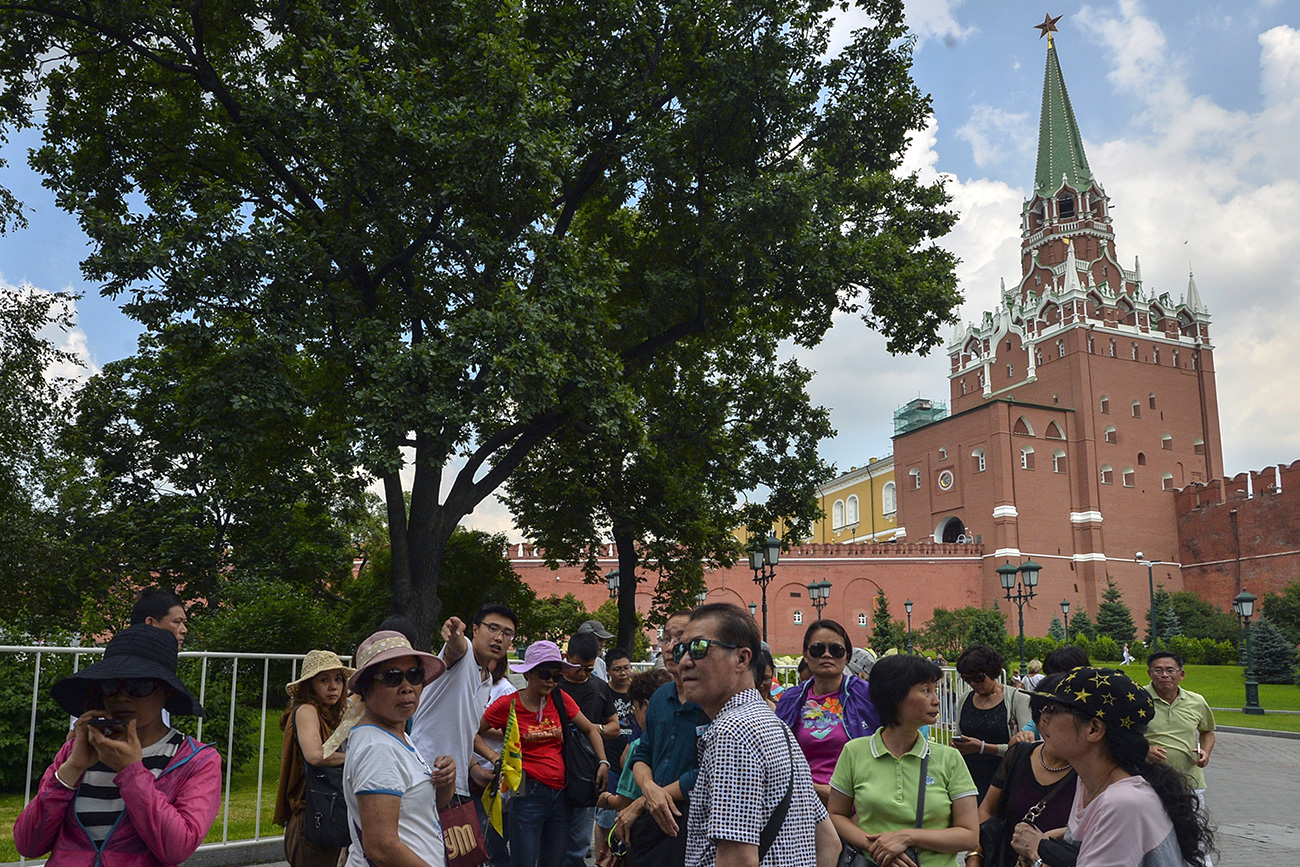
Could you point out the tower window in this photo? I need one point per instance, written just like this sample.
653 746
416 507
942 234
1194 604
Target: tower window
889 498
978 457
1110 434
943 453
1167 482
963 385
1167 442
1105 405
1135 352
1092 350
1129 477
1058 461
916 479
1066 206
1151 400
1155 355
1137 409
1107 475
1198 446
1060 349
1142 459
1112 349
1011 370
837 515
1027 458
798 617
851 511
862 620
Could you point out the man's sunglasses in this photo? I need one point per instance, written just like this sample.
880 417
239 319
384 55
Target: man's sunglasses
136 686
394 676
836 649
699 648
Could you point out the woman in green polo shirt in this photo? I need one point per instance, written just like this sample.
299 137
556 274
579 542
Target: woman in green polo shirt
880 776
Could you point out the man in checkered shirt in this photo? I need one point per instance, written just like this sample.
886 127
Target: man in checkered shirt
748 757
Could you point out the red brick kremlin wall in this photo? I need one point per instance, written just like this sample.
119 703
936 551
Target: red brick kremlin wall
931 575
1250 523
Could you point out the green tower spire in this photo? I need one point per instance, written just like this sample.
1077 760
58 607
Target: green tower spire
1060 147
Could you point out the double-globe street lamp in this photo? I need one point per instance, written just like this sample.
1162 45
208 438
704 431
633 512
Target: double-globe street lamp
819 592
1065 618
611 578
1027 572
763 558
1244 605
1151 588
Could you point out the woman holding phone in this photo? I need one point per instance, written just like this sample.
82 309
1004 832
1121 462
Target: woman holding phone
128 789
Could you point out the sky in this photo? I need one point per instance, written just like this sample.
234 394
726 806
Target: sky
1190 114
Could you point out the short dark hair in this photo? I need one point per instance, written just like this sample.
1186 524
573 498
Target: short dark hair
892 678
1164 654
833 626
495 608
1065 659
979 659
614 654
735 627
154 603
401 623
583 645
646 684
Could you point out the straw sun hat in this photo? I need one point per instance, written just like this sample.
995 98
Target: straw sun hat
313 664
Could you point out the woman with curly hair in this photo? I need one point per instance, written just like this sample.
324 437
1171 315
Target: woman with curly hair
1126 812
318 698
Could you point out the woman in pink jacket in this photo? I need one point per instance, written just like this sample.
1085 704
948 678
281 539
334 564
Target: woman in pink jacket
127 790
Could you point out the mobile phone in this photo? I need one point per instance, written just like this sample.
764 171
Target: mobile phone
958 738
105 723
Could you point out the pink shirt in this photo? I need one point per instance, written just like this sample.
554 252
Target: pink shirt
1125 826
821 734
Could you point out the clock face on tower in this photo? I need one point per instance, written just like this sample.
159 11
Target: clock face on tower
945 480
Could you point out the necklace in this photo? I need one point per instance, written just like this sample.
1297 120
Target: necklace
1051 770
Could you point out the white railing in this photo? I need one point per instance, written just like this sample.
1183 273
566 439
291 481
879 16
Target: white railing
35 764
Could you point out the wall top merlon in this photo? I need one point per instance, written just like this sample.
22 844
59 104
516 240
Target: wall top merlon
1243 486
525 552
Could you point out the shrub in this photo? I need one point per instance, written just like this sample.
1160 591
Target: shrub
1189 649
1106 649
1219 652
16 672
1274 656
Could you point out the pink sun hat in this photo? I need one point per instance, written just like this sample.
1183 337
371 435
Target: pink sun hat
540 652
387 644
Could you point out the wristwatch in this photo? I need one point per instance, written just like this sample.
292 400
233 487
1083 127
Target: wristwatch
1037 862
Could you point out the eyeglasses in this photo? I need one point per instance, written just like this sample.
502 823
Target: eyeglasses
699 648
1165 671
393 677
497 629
551 674
836 649
974 678
136 686
1048 710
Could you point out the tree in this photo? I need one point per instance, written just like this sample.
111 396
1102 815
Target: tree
1056 629
1200 619
1283 611
886 632
1113 616
553 618
1166 616
950 632
438 213
1275 657
1081 624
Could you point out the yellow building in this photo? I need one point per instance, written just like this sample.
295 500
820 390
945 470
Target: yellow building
860 505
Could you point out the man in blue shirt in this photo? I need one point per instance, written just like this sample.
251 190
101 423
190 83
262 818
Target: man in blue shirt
664 765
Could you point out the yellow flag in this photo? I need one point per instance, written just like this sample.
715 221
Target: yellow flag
509 772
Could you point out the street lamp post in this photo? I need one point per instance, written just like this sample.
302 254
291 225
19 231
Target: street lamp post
1244 605
611 578
1027 573
1151 588
763 559
907 606
819 593
701 596
753 608
1065 618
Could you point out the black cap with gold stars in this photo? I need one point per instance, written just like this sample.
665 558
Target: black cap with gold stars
1105 693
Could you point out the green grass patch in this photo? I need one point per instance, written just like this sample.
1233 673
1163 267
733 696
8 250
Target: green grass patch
1225 686
243 797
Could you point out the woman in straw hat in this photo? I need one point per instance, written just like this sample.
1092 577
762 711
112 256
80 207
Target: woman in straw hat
1126 812
319 697
127 790
393 794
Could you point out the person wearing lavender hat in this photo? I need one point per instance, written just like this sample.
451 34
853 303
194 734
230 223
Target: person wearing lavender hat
537 829
392 792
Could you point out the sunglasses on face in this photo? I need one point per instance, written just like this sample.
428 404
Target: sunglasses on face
394 676
974 678
835 649
699 648
1048 710
551 674
136 686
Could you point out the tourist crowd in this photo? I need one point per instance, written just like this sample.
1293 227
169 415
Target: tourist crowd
413 759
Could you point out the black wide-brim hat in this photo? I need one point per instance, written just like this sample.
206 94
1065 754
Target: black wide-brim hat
137 651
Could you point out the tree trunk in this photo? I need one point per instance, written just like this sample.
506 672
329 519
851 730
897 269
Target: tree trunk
627 581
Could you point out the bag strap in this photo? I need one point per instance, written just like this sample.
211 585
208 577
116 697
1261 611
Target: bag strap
767 836
920 795
1015 761
1031 815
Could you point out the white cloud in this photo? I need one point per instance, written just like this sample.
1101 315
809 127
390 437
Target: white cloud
935 19
71 340
1280 60
997 136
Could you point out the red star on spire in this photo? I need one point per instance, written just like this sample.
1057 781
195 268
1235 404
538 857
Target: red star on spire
1048 25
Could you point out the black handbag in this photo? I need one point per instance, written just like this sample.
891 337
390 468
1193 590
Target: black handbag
326 812
1058 853
852 856
580 762
995 835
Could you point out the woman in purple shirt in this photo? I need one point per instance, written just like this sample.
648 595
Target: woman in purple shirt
830 708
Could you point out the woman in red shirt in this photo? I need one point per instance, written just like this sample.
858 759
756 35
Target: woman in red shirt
537 828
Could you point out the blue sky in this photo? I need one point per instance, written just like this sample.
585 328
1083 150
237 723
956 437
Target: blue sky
1190 113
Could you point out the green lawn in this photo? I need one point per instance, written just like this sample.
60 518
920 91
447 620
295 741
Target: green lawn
1225 686
243 798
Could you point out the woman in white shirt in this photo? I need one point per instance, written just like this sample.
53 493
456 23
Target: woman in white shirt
392 792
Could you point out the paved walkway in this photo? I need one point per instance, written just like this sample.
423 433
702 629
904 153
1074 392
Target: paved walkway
1253 795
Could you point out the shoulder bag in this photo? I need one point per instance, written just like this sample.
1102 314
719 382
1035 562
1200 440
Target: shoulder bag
852 856
580 762
326 812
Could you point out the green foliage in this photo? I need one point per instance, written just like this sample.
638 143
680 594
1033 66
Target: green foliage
1275 657
607 614
477 570
271 617
887 633
1203 651
1105 649
1081 624
1114 619
1200 619
1166 616
553 617
949 632
16 674
467 232
1283 611
1056 631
